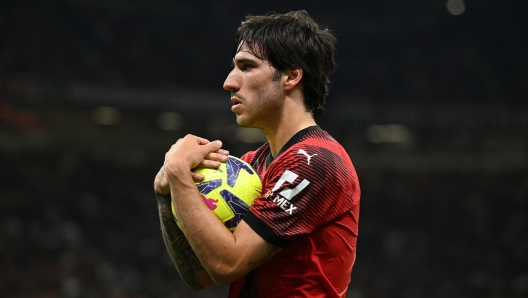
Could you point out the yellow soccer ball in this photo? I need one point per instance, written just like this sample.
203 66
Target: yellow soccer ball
229 190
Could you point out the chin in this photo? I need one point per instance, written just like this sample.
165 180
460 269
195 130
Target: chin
244 122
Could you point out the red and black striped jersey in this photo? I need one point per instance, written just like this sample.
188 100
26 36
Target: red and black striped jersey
310 207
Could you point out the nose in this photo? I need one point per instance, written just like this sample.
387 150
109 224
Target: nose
231 83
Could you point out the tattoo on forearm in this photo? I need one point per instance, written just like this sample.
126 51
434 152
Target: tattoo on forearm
181 253
254 264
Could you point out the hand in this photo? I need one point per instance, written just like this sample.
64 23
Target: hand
211 160
188 153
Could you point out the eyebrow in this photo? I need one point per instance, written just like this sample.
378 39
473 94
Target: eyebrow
244 60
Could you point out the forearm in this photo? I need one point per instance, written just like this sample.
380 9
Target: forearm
213 243
226 256
185 260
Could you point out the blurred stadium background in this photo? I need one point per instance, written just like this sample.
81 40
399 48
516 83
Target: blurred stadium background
430 101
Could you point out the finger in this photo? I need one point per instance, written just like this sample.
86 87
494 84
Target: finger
197 177
222 151
209 164
216 157
214 145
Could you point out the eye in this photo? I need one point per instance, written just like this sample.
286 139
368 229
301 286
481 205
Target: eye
245 66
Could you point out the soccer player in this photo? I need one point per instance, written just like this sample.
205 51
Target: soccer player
299 237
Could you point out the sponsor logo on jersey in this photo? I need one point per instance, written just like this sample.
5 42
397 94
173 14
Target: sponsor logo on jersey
283 199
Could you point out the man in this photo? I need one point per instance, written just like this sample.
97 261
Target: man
299 237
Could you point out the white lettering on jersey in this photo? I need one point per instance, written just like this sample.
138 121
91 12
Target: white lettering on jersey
290 210
306 154
283 203
284 197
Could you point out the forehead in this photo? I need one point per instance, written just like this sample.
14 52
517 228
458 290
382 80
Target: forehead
244 51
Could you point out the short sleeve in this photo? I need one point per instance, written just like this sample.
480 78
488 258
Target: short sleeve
306 187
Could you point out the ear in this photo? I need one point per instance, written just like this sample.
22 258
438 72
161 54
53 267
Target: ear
293 77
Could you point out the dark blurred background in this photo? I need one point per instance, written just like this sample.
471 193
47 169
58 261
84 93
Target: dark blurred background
430 101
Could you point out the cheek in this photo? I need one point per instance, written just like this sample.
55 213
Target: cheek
255 83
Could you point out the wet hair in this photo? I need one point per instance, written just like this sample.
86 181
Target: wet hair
289 41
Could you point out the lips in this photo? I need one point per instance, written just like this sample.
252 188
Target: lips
235 100
235 107
236 103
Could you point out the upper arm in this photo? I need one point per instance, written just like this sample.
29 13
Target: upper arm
308 187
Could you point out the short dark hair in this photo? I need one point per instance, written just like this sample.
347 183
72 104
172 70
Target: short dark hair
292 40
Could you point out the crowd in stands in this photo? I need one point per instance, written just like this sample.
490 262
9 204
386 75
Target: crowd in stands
413 52
74 227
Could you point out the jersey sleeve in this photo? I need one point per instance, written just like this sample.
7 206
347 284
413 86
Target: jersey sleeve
306 187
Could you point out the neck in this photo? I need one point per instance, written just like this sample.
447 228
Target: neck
292 121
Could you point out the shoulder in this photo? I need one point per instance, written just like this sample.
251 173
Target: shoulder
319 159
316 150
310 184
